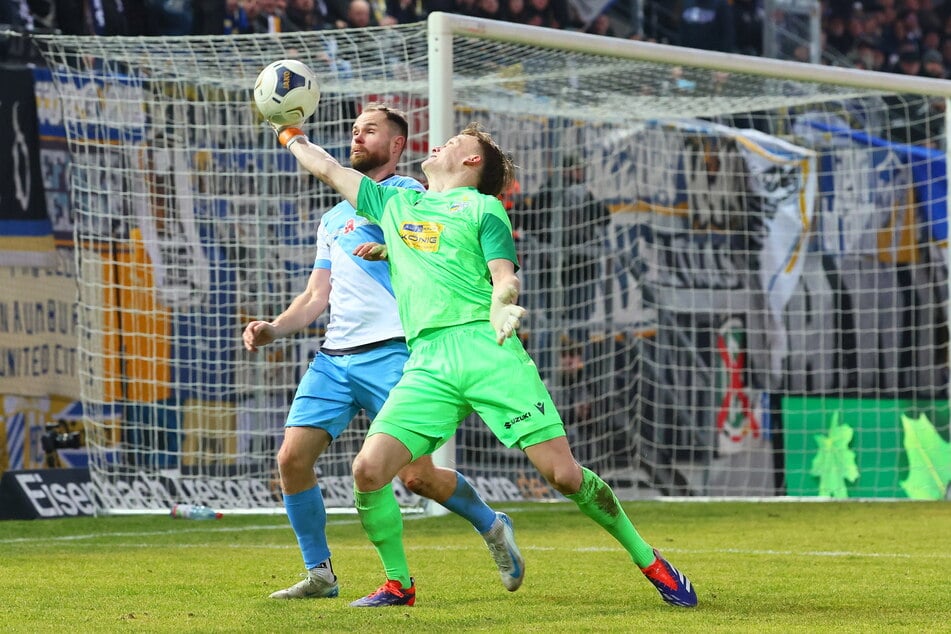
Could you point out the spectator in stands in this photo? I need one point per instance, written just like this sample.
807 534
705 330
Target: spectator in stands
946 27
489 9
381 15
915 119
904 31
886 13
838 7
270 16
856 61
931 41
574 397
584 220
406 11
907 61
856 25
236 19
748 26
466 7
82 18
516 11
708 24
587 219
859 21
169 17
946 50
208 17
838 39
552 14
913 30
929 17
16 13
869 54
932 65
332 13
304 14
601 25
359 15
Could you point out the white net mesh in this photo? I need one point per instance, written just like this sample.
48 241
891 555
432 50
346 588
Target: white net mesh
736 282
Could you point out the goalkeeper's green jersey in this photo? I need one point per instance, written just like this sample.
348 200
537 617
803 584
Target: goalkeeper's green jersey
438 244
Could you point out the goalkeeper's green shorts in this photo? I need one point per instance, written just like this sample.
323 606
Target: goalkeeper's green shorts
454 371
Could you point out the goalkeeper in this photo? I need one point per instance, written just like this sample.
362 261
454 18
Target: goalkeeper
361 358
452 264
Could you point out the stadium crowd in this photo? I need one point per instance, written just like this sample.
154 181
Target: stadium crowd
218 17
912 37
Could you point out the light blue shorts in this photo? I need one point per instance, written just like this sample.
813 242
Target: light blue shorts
335 388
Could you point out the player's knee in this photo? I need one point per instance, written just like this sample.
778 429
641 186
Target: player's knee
565 478
367 474
295 467
289 460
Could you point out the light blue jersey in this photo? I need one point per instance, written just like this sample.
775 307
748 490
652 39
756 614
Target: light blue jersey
362 312
362 306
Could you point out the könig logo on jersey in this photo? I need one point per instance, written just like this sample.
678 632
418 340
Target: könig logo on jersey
423 236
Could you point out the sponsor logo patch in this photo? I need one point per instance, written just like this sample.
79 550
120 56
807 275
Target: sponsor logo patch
423 236
517 419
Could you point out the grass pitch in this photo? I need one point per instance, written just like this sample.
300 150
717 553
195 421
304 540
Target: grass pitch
757 567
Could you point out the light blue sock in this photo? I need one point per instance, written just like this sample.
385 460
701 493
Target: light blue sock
308 518
466 502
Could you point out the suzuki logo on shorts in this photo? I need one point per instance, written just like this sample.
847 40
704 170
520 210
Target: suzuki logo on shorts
422 236
517 419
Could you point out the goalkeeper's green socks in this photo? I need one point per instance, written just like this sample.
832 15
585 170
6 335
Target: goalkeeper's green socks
596 500
381 519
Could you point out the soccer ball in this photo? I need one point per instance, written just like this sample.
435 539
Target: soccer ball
286 92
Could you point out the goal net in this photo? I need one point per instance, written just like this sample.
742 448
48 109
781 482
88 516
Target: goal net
735 268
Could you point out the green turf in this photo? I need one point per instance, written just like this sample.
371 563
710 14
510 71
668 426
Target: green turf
757 567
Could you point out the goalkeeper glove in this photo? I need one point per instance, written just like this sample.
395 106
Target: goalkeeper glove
504 315
288 135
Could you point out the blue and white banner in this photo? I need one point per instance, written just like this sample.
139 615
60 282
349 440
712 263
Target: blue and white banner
708 219
876 196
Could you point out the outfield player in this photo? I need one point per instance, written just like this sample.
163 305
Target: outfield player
362 357
452 263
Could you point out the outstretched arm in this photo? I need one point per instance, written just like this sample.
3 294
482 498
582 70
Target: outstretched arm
305 308
321 164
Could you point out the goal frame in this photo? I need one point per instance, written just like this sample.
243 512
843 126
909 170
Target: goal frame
441 27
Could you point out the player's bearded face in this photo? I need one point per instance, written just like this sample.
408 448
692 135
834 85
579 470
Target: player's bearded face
364 158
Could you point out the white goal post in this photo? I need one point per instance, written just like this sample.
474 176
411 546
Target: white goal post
736 268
